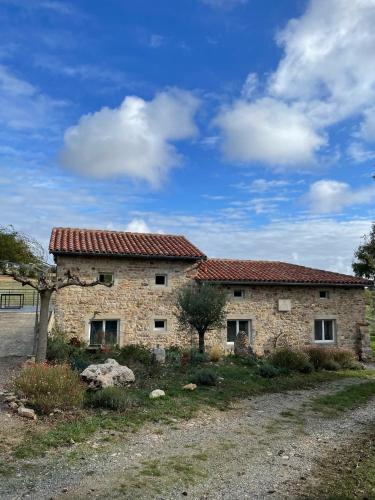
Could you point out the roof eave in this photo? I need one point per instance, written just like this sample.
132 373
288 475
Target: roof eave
286 283
127 255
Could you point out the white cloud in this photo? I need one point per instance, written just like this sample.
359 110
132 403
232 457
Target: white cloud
368 125
262 185
137 226
328 56
331 196
22 105
268 130
325 75
250 86
324 243
359 154
134 139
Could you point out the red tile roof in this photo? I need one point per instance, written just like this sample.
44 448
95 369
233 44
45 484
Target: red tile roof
66 240
255 271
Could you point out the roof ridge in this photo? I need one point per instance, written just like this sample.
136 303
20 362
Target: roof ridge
117 231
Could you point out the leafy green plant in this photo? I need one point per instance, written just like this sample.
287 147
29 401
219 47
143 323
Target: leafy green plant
331 365
111 398
317 355
134 352
47 387
289 359
205 377
266 370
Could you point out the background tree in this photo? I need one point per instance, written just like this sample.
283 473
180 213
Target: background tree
201 308
24 262
19 248
364 263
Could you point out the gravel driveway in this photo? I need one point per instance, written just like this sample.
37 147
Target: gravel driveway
256 450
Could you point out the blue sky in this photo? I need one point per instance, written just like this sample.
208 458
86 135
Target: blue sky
247 125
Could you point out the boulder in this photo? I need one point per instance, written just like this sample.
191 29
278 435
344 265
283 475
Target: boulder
158 354
107 374
190 387
242 346
26 412
157 393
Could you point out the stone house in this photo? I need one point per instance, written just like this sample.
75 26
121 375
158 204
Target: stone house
273 302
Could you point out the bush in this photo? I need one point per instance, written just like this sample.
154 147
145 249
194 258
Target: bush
344 357
331 365
266 370
58 347
196 357
134 352
318 356
111 398
215 353
47 387
290 359
205 377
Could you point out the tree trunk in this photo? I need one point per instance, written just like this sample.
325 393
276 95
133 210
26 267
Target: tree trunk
41 349
201 342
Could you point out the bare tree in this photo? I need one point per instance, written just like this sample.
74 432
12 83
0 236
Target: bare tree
43 278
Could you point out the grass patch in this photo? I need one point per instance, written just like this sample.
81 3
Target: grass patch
238 382
346 473
372 341
346 399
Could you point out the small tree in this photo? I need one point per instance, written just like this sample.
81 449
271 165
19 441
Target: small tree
364 265
201 307
23 260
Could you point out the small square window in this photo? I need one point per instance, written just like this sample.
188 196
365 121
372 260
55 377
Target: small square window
324 294
106 278
239 294
160 325
161 279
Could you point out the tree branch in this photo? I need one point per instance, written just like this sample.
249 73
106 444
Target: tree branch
73 280
20 279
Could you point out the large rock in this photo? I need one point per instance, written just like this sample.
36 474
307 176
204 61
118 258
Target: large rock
242 346
157 393
107 374
26 412
158 354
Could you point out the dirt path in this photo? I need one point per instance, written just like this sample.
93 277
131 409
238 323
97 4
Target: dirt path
256 450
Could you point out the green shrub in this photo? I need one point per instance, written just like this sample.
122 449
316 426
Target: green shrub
196 357
266 370
289 359
205 377
47 387
58 347
317 355
344 357
110 398
320 356
331 365
133 353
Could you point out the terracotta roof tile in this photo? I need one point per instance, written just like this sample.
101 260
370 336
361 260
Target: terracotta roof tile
66 240
255 271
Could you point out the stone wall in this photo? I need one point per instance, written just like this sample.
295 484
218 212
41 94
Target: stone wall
135 301
295 327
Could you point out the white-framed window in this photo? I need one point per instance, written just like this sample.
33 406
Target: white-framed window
160 325
106 278
323 294
324 330
234 326
104 332
239 294
161 279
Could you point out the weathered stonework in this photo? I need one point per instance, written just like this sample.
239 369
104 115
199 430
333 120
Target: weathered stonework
136 302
